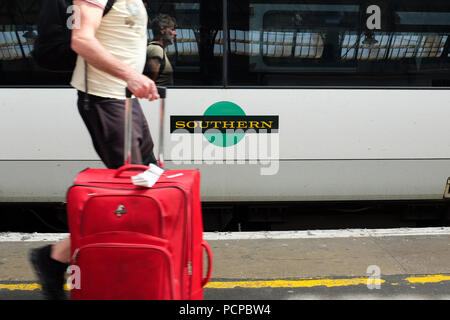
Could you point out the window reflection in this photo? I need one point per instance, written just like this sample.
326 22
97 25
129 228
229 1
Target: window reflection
16 42
283 43
193 59
287 43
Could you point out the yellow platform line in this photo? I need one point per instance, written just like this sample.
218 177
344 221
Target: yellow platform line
21 286
303 283
300 283
428 279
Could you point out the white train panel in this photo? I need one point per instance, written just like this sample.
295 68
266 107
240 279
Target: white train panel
330 145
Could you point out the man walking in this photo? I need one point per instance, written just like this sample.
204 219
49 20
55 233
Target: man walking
111 57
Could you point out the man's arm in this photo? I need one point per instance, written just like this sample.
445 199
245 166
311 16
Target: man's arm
85 44
154 65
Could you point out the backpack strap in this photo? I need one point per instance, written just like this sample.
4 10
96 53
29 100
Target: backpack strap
108 6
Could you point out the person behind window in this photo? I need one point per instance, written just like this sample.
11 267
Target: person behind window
158 67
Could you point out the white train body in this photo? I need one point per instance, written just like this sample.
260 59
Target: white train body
350 101
332 144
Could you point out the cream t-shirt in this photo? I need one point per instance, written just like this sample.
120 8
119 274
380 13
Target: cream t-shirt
123 32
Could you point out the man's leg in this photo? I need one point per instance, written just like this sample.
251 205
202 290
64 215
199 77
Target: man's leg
50 264
61 251
105 121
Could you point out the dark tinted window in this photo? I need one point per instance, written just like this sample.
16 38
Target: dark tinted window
337 43
17 33
272 43
195 56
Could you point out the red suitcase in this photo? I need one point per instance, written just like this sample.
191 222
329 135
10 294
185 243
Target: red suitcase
131 242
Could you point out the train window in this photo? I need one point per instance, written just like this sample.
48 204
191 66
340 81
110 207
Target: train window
273 43
17 33
339 43
195 56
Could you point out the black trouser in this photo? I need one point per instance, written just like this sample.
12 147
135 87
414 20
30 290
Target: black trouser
105 121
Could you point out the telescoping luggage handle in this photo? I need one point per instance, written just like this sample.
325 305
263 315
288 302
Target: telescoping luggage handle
162 91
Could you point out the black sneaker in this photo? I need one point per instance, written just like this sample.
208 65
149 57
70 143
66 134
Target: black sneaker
50 273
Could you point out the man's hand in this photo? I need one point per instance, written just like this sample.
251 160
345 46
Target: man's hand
142 86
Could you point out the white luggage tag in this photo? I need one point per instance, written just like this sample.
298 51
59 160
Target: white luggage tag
149 177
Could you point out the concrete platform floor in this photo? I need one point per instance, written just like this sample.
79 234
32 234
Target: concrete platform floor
286 255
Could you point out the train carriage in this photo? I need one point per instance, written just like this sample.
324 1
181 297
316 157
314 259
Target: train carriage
301 100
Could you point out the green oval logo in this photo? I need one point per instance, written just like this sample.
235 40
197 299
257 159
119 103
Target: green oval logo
224 108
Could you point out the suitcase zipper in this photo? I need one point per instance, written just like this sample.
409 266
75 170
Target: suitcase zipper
189 226
161 233
118 245
189 240
165 253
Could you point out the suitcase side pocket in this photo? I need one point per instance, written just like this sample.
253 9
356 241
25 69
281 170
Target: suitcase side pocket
118 212
116 271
